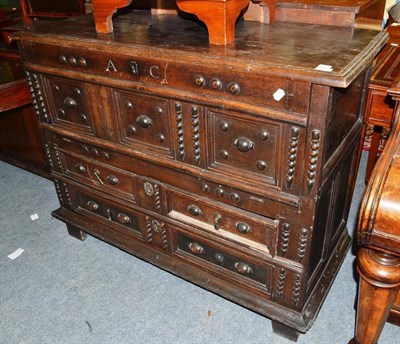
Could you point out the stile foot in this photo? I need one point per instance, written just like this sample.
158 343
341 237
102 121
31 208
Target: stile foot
76 232
285 331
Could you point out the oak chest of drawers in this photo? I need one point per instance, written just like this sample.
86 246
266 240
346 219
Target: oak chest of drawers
232 167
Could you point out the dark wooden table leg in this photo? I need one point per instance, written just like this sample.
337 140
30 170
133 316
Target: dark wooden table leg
379 285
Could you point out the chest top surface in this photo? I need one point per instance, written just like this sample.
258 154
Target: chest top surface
283 49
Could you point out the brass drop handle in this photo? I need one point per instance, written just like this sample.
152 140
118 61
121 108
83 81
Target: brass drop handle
144 121
123 218
109 215
243 228
113 180
217 220
243 144
70 103
196 248
93 206
194 210
243 268
97 175
80 168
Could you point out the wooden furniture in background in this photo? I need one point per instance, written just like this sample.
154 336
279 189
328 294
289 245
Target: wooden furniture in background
34 9
380 106
218 15
20 141
378 259
359 13
103 11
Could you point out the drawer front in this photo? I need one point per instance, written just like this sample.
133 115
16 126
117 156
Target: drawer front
68 104
144 122
106 211
230 223
212 257
103 177
244 147
149 229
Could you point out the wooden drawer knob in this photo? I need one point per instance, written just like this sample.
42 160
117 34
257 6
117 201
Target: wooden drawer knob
80 168
144 121
70 103
113 180
93 206
243 144
243 228
243 268
196 248
194 210
123 218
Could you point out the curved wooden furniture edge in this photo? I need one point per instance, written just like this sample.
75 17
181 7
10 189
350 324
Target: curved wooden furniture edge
372 197
103 11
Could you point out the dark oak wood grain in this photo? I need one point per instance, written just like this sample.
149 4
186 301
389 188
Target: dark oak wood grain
231 166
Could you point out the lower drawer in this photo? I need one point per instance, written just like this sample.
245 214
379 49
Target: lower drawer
236 225
121 219
217 258
106 211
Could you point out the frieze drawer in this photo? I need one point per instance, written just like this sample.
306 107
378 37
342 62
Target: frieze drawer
100 176
276 93
238 269
252 230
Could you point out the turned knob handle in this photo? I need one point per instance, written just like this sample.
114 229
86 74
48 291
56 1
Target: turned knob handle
123 218
93 206
194 210
243 228
243 268
113 180
243 144
196 248
70 103
144 121
80 168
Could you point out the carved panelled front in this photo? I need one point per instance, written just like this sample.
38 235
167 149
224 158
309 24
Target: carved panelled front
202 161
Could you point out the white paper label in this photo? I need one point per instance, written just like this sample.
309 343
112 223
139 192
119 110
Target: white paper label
324 68
34 217
394 44
279 94
16 253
